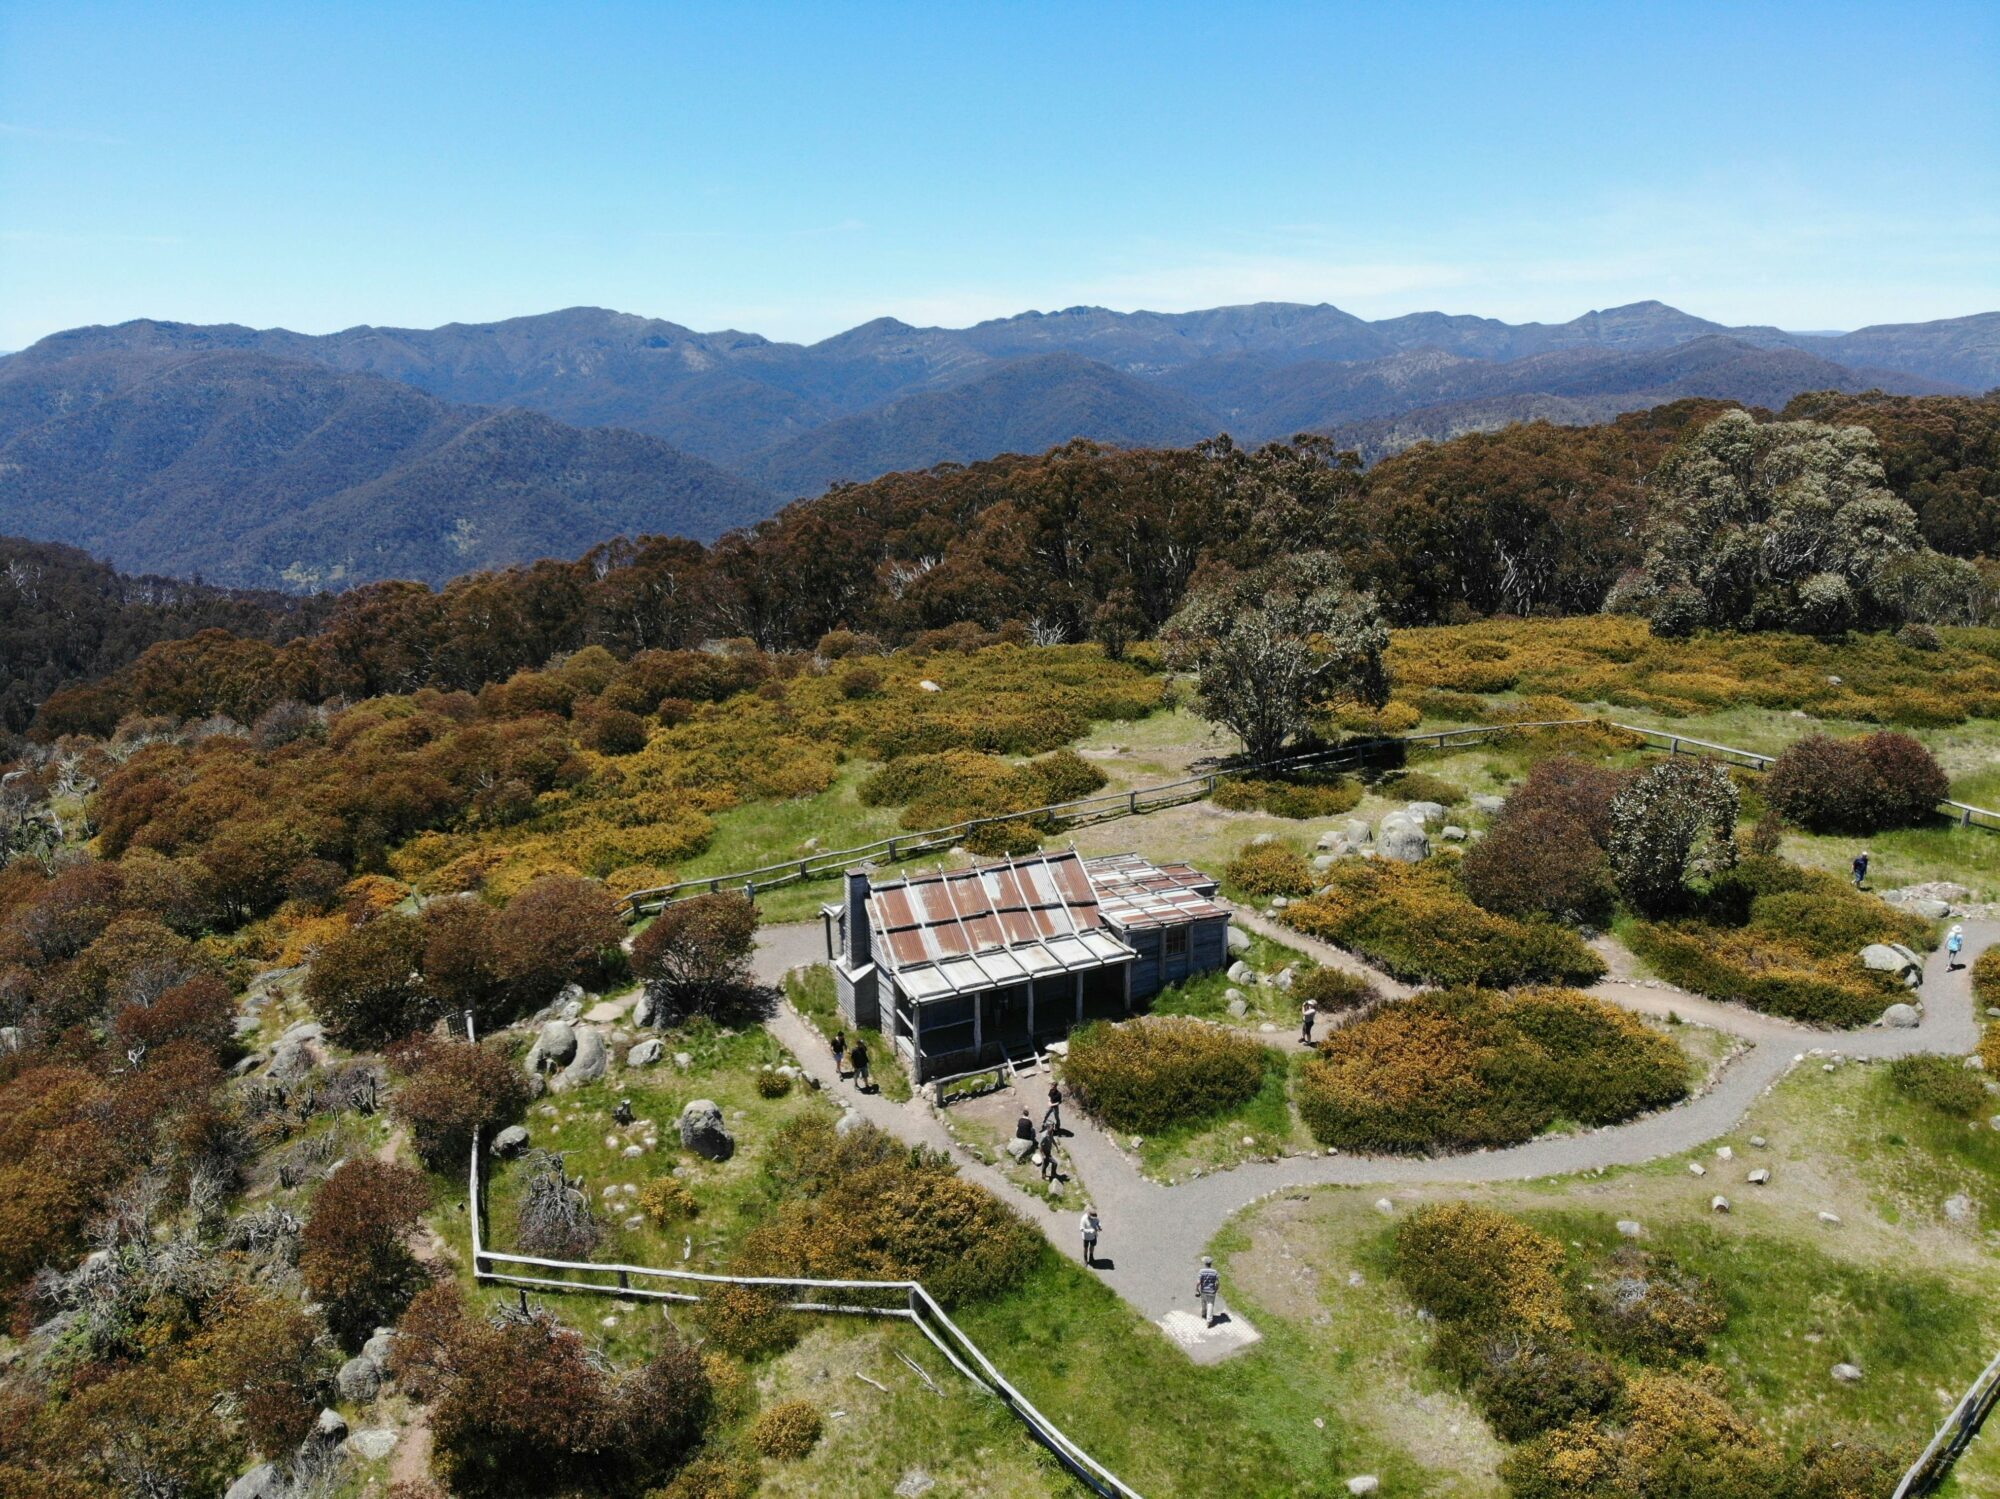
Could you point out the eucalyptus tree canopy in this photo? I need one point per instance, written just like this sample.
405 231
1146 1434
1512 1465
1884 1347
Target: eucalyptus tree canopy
1269 646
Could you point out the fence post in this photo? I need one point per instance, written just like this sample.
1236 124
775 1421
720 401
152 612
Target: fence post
715 887
1132 802
1673 745
802 868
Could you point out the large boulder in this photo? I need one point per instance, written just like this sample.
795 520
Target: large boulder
511 1141
1425 813
1894 958
1402 838
588 1063
1239 941
553 1047
703 1131
1487 802
1357 830
646 1053
1900 1017
262 1482
379 1346
10 1039
1241 972
331 1427
359 1380
373 1444
646 1008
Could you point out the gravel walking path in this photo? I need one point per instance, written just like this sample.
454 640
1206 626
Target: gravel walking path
1154 1235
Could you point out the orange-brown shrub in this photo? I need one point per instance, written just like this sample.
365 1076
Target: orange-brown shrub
1147 1074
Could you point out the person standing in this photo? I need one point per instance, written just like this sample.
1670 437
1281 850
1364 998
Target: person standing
839 1052
1052 1120
1048 1155
1860 867
1954 944
858 1059
1308 1013
1208 1290
1091 1228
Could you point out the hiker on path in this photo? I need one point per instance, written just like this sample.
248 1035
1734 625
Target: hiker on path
1954 944
1024 1128
1052 1119
839 1052
1308 1013
858 1059
1208 1288
1091 1226
1860 867
1048 1155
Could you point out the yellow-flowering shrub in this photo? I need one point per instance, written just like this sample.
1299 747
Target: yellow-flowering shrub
1268 869
787 1431
1147 1074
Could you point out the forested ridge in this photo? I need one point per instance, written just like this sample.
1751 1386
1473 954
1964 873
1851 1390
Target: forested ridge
1534 519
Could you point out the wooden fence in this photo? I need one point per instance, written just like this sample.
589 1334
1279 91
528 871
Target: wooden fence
823 863
1928 1473
902 1300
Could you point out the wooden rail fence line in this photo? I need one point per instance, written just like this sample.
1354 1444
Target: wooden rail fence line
1102 807
903 1300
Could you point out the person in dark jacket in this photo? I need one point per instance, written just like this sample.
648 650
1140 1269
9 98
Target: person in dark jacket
839 1052
858 1059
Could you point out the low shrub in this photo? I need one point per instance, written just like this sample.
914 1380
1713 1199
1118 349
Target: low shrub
1145 1075
1477 1267
1572 787
1941 1083
996 840
1298 798
787 1431
748 1321
1459 1069
1333 990
1525 1385
1421 786
861 1206
1416 921
710 1477
665 1199
1649 1308
1986 977
1269 869
1763 972
773 1085
453 1089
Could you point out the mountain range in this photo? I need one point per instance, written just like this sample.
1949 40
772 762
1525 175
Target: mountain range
274 458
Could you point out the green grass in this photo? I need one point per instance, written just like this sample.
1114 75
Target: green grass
1264 1125
1207 994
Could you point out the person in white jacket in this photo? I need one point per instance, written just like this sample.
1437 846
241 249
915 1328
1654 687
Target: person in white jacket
1090 1226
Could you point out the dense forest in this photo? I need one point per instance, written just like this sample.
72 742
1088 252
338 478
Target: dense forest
1531 520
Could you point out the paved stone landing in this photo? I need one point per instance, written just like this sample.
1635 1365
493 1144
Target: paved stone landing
1209 1345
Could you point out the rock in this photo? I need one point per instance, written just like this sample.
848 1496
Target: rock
1930 910
927 685
587 1065
511 1141
1241 972
849 1121
1357 831
379 1345
1759 1178
914 1484
1384 1206
1487 802
288 1062
1900 1017
1323 862
1833 681
1403 839
1832 1220
1718 1204
646 1053
683 1060
553 1047
1958 1208
241 1026
1279 902
248 1065
10 1039
1055 1188
330 1427
359 1380
646 1008
1331 839
1425 813
1847 1373
1268 1029
1239 1007
1365 1483
703 1132
1894 958
1232 993
1287 976
1630 1228
304 1032
1238 940
1263 838
373 1444
1019 1150
1724 1153
262 1482
1058 1048
1757 1141
1695 1168
1451 833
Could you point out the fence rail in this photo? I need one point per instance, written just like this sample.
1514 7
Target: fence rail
822 863
1928 1473
907 1300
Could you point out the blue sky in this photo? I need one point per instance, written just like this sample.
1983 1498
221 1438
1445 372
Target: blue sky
798 169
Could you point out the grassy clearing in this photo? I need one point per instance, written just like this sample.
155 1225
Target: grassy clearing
1206 995
1264 1126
